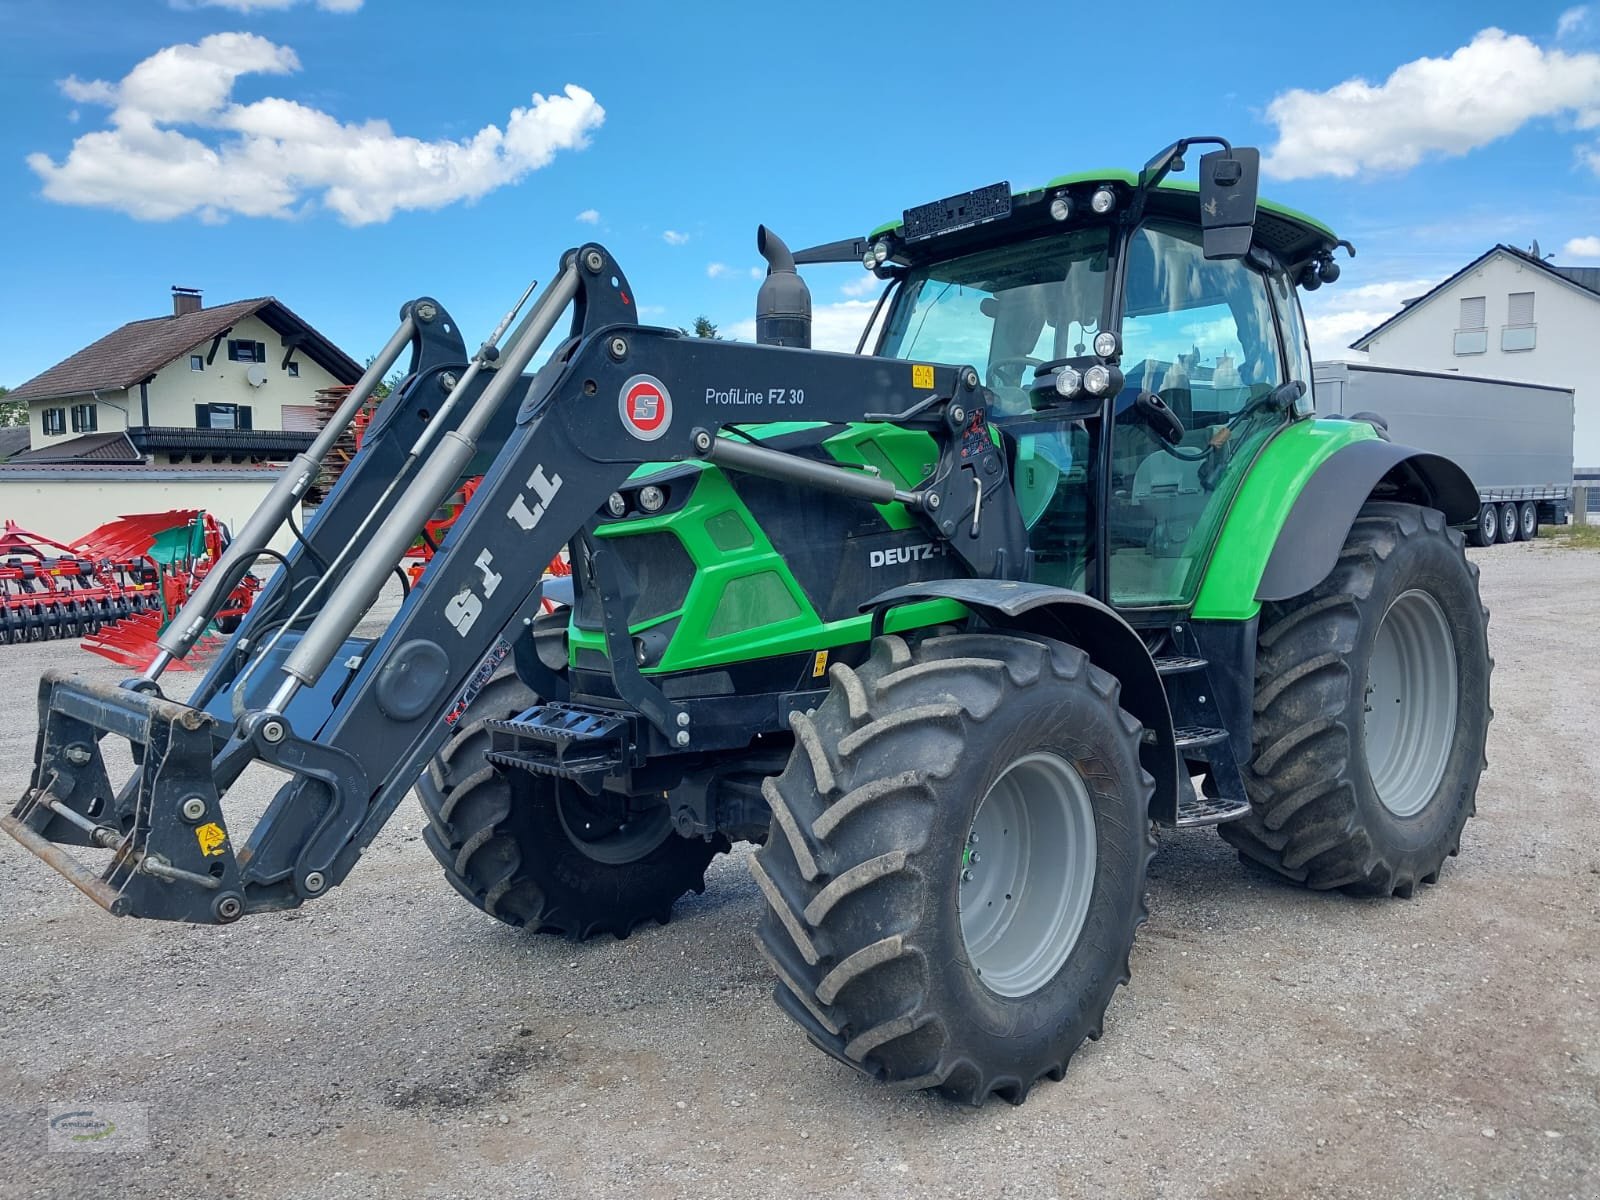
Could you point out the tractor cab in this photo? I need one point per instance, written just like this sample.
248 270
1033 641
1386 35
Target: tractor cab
1143 340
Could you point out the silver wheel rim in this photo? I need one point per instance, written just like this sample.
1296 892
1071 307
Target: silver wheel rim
1027 874
1508 524
1530 521
1411 703
1489 523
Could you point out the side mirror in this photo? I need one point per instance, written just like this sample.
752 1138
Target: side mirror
1228 185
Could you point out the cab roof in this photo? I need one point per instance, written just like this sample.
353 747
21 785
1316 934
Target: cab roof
1290 234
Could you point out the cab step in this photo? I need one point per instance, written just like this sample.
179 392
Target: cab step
1177 664
1200 810
1193 737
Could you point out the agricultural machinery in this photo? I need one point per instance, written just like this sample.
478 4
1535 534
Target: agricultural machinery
945 626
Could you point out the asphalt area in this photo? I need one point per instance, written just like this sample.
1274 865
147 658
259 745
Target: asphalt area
390 1040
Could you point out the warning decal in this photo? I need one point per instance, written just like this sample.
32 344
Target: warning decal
645 406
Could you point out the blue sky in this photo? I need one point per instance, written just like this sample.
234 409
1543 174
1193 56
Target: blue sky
334 153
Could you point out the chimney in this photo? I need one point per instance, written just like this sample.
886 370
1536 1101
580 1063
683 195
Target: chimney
185 300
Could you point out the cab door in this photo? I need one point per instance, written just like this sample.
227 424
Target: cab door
1201 334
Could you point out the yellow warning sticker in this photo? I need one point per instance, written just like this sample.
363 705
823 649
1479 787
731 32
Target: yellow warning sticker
819 665
213 840
921 376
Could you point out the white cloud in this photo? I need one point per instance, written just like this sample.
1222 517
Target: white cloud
274 157
1337 315
1572 22
673 238
867 284
833 326
758 272
1582 247
589 216
1485 90
717 270
248 6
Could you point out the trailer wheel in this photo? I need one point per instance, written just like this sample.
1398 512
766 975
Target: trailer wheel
1487 531
1372 709
1528 521
957 862
529 852
1508 523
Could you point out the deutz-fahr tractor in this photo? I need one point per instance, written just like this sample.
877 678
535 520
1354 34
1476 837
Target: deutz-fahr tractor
945 626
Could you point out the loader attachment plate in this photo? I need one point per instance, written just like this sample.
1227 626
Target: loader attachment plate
171 856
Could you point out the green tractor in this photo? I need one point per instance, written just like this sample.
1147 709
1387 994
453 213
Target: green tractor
945 627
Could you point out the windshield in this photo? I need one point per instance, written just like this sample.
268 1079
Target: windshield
1006 310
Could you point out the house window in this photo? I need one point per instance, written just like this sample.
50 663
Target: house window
222 416
1472 333
84 418
55 421
1519 331
294 370
197 362
247 352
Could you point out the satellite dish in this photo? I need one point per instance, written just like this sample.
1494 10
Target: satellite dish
255 375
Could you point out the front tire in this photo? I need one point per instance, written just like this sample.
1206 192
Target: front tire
906 947
1372 710
515 845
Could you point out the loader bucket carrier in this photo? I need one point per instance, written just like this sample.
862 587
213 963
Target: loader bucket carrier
942 627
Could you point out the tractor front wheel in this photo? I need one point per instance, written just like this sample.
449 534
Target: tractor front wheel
1372 709
536 852
957 862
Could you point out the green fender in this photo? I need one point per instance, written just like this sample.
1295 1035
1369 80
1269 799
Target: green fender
1284 528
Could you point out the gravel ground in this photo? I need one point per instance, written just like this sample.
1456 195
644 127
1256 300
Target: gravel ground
390 1040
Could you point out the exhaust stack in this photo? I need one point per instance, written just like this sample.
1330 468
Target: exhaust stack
783 306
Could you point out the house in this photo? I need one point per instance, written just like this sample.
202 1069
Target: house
233 383
1508 314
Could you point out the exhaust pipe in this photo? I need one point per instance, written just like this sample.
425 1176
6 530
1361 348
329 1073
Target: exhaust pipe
783 306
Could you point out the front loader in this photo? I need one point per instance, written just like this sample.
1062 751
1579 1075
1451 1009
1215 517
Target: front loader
945 628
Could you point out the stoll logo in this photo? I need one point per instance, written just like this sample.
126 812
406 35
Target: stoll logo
98 1128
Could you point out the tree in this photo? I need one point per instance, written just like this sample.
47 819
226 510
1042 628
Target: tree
12 412
703 328
385 386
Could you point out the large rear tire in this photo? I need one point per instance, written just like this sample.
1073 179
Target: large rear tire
957 862
1371 712
515 845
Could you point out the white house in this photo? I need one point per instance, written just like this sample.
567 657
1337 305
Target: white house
232 383
1506 315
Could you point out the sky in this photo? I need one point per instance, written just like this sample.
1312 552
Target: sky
348 155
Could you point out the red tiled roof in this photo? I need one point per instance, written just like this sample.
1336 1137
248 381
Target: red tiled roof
91 447
140 348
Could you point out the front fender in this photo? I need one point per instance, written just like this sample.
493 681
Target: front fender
1285 527
1068 616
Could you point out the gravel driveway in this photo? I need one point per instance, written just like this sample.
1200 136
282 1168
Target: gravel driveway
390 1040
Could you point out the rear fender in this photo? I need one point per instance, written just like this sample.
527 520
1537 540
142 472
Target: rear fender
1068 616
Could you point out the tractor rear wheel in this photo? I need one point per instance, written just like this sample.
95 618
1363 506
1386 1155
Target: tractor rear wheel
535 852
957 862
1372 709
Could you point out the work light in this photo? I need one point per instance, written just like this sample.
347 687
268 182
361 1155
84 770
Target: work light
1068 381
1061 208
1103 200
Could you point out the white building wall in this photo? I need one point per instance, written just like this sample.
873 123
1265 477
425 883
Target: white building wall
111 414
65 505
1567 323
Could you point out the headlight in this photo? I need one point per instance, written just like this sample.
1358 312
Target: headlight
869 259
616 505
1103 200
880 252
1105 344
1068 381
1097 381
651 498
1061 208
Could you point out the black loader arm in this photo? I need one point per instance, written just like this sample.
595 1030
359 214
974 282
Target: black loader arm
614 396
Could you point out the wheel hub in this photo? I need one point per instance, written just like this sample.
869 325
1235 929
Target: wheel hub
611 837
1412 696
1027 874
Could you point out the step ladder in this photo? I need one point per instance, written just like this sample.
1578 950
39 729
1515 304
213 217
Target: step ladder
1200 735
